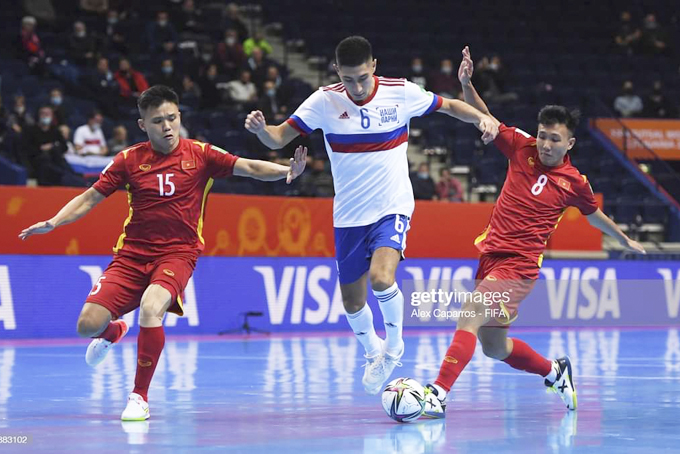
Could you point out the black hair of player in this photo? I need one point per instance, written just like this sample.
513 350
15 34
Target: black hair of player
353 51
553 115
155 96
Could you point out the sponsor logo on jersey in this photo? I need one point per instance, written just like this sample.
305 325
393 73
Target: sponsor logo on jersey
564 183
396 239
388 114
144 167
188 165
168 272
344 116
144 363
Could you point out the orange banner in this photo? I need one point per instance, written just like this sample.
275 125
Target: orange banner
662 136
257 226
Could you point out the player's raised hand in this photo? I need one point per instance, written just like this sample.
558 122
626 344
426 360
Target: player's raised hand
633 246
489 129
255 122
297 164
466 67
36 229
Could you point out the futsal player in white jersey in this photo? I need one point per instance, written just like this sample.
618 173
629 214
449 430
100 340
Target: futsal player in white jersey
365 121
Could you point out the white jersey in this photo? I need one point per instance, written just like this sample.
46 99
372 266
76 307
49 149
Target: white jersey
366 143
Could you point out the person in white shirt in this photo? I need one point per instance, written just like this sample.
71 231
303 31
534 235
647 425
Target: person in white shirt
243 89
365 121
89 138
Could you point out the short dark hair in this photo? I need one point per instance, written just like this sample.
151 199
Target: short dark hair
155 96
93 113
552 115
353 51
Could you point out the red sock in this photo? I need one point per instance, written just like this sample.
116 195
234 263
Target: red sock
525 358
112 332
149 347
457 356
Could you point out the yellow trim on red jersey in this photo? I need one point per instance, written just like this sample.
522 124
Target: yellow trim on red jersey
200 144
199 229
482 236
121 238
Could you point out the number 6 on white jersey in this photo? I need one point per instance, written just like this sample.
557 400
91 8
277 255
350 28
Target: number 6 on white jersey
540 184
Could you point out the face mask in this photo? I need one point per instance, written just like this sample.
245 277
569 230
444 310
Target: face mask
206 57
56 100
162 23
417 68
96 127
46 120
493 66
80 34
447 70
423 175
20 110
271 93
230 41
112 20
167 69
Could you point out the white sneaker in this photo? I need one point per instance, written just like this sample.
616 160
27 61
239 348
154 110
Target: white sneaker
379 369
564 383
136 410
98 348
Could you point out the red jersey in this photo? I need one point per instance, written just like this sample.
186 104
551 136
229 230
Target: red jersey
167 195
533 199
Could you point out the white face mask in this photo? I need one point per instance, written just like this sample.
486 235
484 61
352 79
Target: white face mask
46 120
80 34
230 41
447 70
162 23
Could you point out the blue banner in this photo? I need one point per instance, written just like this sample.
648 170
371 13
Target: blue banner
41 296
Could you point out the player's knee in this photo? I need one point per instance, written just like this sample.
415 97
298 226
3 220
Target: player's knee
381 279
353 306
495 350
88 326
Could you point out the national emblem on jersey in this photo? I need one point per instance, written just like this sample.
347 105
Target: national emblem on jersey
366 142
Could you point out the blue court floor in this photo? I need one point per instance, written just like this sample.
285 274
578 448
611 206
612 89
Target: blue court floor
295 394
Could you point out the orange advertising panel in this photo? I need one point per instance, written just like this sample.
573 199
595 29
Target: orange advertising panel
237 225
662 136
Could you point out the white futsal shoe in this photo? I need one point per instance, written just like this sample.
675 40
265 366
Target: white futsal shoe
136 410
98 348
564 383
379 369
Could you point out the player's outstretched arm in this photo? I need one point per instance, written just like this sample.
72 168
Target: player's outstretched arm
601 221
464 112
78 207
469 93
270 171
274 137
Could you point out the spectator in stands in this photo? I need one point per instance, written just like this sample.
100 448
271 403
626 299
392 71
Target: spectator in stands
131 83
30 48
417 74
490 79
161 35
444 82
243 91
57 105
191 93
102 81
82 46
449 189
20 118
270 104
4 126
627 38
210 94
89 138
233 20
257 40
230 54
657 105
168 76
94 6
119 141
423 185
115 32
66 134
190 18
258 64
628 104
284 91
45 148
654 39
317 181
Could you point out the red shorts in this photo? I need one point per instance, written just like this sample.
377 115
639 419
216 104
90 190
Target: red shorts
121 286
512 276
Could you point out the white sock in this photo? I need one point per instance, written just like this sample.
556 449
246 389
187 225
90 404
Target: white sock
361 323
392 308
552 375
441 393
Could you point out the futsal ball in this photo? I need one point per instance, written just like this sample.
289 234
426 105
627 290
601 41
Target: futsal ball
403 399
432 406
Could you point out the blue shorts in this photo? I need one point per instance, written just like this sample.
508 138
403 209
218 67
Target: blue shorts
354 246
